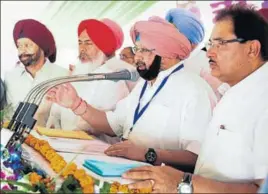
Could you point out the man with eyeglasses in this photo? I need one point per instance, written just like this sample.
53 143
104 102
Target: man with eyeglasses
165 116
233 157
127 55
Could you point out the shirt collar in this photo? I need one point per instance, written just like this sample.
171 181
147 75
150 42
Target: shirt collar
251 79
43 68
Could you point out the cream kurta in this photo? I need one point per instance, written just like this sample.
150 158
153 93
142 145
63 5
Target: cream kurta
19 82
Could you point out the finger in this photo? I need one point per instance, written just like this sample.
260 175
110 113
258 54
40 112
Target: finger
118 153
140 185
142 168
139 175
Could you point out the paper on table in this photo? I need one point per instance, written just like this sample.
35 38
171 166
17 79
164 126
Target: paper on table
63 133
78 146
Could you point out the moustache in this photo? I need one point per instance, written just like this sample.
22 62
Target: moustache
211 61
25 55
139 63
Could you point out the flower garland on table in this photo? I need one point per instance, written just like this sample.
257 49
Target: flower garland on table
58 164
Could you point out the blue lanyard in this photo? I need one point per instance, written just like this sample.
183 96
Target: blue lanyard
138 113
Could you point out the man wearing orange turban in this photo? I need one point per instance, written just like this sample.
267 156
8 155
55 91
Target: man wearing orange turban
37 51
98 41
167 110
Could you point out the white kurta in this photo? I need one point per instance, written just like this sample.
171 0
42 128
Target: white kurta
102 95
235 147
176 118
19 82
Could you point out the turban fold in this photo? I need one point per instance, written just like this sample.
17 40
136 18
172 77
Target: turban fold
106 34
187 23
39 34
118 32
163 37
264 13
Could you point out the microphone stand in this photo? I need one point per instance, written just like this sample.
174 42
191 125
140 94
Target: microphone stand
23 121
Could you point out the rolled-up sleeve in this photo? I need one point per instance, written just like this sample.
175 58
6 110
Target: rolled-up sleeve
117 117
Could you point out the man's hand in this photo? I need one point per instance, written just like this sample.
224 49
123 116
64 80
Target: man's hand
163 179
127 149
65 95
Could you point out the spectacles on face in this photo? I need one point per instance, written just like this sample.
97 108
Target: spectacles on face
124 57
136 49
218 44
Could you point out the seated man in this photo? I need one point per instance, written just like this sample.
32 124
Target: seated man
191 26
98 41
37 53
127 56
233 158
171 106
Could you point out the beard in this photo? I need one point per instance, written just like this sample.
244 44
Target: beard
151 72
30 59
91 65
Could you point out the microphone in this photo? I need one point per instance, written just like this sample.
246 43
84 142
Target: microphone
22 121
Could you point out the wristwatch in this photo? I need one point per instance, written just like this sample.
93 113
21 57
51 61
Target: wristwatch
186 186
151 156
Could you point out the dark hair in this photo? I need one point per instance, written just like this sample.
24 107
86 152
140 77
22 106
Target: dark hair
130 49
248 24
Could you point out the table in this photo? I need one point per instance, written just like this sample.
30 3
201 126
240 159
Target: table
68 149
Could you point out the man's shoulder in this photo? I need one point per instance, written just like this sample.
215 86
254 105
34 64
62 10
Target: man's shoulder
15 71
57 69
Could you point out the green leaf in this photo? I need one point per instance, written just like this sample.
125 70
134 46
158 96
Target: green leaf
16 183
106 188
13 192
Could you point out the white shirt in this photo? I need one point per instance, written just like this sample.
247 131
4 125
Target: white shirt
175 119
238 152
198 63
19 82
102 95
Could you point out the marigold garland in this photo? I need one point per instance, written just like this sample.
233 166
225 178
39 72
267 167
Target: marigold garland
58 163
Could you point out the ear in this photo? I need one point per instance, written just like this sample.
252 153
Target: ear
254 48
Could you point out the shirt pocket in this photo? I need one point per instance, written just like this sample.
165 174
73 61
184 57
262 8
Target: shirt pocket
234 155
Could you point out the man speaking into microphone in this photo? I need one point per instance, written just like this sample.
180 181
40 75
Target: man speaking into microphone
165 116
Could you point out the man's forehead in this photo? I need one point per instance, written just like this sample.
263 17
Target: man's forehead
24 41
222 30
84 36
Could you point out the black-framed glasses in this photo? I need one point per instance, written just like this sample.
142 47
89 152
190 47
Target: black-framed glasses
136 49
219 43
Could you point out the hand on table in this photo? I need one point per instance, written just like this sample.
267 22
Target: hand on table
163 179
128 150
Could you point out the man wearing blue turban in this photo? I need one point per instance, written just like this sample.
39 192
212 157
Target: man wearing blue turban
187 23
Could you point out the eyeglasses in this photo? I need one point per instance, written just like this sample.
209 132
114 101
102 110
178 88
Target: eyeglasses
220 43
124 57
142 50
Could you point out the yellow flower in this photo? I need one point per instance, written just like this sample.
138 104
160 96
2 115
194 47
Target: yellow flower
79 173
88 189
123 189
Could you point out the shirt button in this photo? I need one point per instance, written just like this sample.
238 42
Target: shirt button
222 127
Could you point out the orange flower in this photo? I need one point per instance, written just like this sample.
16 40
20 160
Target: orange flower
79 173
34 178
88 189
123 189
